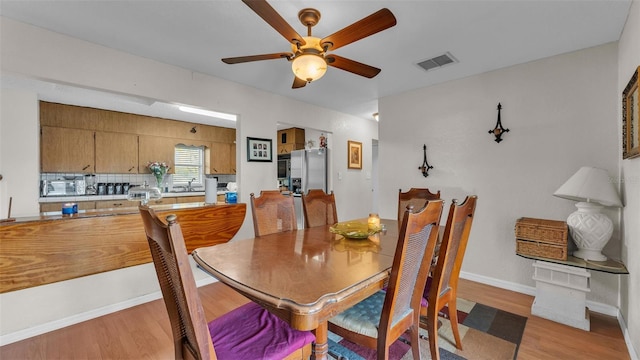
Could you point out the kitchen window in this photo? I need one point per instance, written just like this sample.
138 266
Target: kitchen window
189 164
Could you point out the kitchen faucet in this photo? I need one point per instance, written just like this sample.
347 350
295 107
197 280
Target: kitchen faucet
189 187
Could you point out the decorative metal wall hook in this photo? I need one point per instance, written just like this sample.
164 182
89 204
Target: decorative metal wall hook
193 130
425 167
498 131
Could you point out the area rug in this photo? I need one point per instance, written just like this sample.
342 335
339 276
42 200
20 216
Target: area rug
486 332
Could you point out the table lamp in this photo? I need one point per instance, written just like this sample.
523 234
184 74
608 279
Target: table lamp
589 228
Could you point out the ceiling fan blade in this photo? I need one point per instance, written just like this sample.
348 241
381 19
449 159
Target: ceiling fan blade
298 83
352 66
376 22
271 16
242 59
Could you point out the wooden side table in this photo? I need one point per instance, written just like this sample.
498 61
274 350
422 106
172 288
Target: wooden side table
562 285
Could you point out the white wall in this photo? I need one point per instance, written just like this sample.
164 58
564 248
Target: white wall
19 153
37 53
561 112
628 62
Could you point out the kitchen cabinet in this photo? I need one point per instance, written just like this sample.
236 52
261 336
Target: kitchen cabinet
289 140
189 199
116 153
57 206
67 150
232 157
155 148
163 201
116 204
222 158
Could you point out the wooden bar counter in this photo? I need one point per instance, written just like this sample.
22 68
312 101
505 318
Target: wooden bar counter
45 249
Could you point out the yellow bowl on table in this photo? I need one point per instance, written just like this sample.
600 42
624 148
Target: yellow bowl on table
354 229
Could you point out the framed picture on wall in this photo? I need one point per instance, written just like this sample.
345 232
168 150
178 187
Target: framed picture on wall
631 119
354 153
259 149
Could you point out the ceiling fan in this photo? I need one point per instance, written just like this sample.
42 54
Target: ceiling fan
309 55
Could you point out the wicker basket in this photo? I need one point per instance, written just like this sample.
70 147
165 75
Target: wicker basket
541 238
547 231
539 249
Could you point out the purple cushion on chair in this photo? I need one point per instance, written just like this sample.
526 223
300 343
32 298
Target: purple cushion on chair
251 332
425 295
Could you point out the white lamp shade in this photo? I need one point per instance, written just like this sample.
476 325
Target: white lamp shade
590 184
309 67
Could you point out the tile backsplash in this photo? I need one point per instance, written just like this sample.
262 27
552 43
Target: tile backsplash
132 179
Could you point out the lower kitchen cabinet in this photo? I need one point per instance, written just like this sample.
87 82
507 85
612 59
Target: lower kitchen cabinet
57 206
115 204
189 199
163 201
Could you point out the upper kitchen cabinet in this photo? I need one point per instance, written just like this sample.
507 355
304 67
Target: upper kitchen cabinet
116 153
289 140
155 148
67 150
222 158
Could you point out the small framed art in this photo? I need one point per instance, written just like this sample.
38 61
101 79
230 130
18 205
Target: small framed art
631 118
354 153
259 150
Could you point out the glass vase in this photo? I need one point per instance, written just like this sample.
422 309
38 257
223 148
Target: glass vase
159 178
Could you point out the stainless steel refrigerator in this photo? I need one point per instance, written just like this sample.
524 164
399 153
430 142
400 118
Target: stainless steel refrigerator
309 170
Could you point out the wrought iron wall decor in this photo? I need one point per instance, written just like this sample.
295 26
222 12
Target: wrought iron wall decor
498 131
425 167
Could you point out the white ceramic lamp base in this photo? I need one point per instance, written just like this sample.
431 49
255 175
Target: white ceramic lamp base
590 230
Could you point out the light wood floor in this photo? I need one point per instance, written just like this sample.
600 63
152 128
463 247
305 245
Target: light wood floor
143 332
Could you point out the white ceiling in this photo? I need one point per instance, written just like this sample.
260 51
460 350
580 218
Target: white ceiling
483 35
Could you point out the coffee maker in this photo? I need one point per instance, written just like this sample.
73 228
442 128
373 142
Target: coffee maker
90 181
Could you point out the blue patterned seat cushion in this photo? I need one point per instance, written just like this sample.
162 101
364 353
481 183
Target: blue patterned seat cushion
364 317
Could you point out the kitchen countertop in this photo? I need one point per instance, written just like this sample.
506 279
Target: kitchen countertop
80 198
57 215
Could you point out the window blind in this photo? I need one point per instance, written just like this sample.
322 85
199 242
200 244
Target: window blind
189 164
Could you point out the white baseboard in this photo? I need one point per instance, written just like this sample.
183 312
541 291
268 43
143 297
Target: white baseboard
88 315
627 338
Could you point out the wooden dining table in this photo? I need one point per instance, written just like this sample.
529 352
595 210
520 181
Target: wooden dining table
304 276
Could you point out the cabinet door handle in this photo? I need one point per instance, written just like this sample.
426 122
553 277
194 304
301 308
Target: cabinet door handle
133 167
86 167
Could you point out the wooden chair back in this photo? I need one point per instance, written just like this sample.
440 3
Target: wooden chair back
273 212
444 282
319 208
416 197
401 305
188 324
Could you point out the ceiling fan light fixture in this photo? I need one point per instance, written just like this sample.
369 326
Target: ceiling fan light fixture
309 67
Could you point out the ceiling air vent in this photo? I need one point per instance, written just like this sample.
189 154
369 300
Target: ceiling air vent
438 61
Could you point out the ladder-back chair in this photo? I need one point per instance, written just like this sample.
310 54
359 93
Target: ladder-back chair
319 208
273 212
442 287
416 197
379 320
248 332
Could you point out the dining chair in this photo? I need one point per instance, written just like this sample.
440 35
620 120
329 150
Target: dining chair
417 197
247 332
379 320
442 286
273 212
319 208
